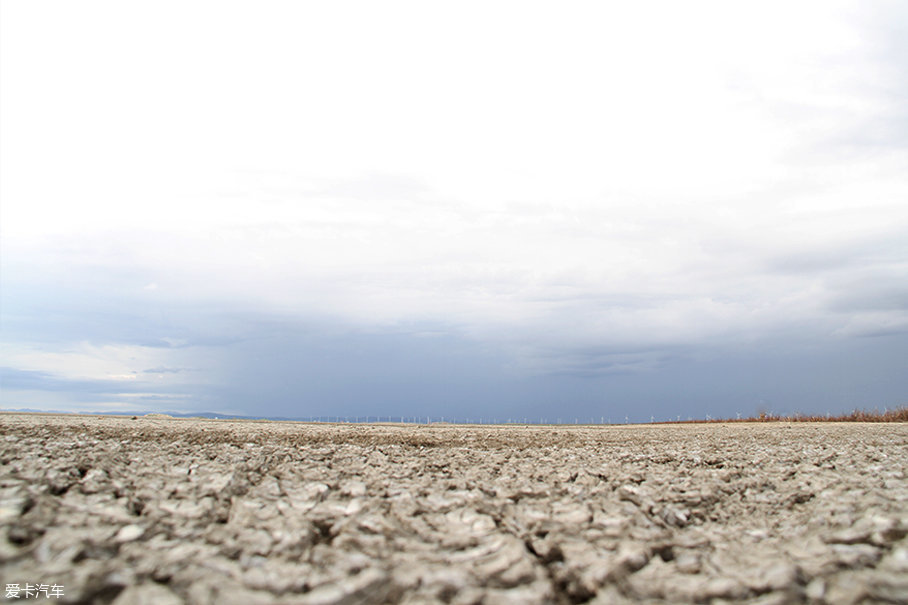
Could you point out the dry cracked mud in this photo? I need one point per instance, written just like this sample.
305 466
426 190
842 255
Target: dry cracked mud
167 511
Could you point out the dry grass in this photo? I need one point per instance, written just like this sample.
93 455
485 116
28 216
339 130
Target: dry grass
899 414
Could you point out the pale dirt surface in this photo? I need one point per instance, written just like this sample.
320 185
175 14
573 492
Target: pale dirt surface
169 511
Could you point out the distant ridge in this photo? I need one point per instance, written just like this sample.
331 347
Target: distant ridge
210 415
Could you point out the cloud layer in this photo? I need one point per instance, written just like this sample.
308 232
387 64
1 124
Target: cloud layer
488 207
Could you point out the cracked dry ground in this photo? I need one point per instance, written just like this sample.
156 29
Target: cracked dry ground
190 511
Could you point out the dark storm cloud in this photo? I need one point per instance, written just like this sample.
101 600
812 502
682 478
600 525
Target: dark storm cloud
296 368
583 361
307 370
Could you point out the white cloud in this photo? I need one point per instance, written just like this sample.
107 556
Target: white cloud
542 175
85 360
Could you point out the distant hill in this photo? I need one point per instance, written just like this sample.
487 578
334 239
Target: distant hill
212 415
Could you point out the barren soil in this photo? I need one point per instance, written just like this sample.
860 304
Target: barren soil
163 511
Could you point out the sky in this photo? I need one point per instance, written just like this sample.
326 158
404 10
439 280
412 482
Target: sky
506 210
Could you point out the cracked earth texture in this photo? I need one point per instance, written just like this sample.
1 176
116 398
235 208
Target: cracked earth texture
167 511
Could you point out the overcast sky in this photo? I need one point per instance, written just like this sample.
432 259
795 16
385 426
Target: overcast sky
497 209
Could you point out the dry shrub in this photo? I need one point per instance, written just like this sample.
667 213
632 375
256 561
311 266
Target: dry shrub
899 414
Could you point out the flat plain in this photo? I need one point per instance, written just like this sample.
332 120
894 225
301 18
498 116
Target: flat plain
168 511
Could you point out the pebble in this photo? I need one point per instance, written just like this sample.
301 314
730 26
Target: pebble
129 533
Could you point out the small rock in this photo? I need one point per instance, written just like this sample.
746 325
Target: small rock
537 593
466 521
444 583
94 481
13 502
630 493
856 555
780 576
674 516
213 483
816 589
188 508
61 480
850 535
571 514
354 489
897 560
723 588
129 533
887 530
509 562
368 586
610 595
773 598
633 556
688 563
